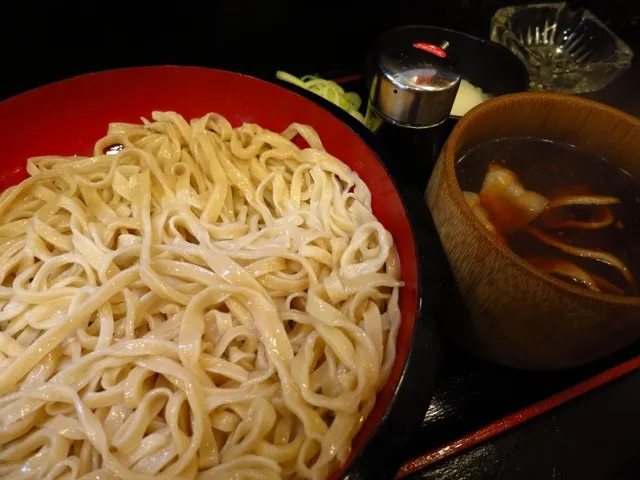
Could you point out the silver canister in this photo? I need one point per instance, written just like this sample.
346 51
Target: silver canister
413 84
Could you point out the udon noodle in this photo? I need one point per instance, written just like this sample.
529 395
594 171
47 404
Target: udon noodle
198 302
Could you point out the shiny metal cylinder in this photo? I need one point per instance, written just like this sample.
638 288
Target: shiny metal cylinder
414 85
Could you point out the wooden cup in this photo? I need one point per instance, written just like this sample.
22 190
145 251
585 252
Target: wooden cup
516 315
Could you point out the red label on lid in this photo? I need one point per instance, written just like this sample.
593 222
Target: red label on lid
428 47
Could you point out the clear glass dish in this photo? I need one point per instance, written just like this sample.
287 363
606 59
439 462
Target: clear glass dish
564 50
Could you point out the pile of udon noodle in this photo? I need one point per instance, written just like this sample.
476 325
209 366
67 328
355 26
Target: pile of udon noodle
505 206
207 302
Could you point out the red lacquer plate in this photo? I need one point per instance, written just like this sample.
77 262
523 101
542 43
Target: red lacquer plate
67 117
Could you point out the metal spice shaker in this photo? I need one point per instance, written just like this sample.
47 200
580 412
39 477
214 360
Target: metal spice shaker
412 87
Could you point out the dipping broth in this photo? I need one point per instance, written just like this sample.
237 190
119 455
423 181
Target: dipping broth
570 213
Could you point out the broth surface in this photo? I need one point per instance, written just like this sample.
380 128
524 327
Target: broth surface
553 170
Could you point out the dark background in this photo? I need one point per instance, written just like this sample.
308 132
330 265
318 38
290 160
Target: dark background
40 44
